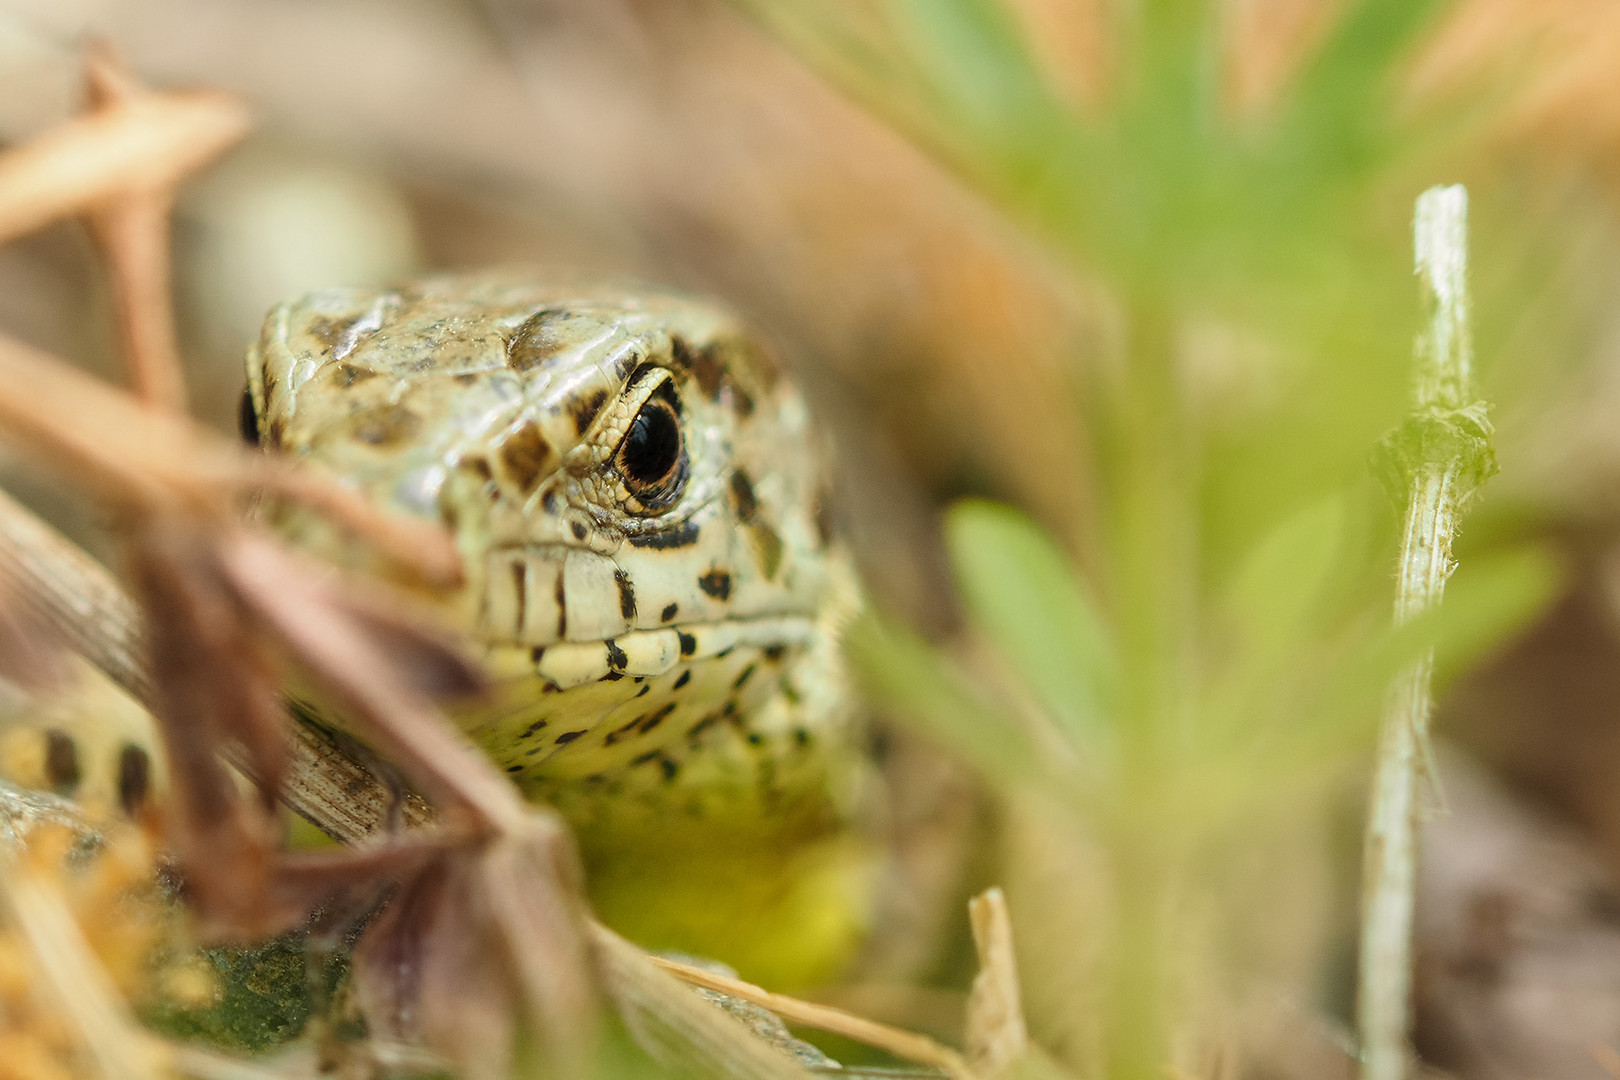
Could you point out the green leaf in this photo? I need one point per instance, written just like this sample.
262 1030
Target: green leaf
906 674
1024 595
1277 592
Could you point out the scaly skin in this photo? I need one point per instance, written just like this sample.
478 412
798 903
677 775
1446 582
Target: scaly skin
664 640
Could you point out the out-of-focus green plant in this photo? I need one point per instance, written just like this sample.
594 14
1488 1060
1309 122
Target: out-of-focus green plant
1211 642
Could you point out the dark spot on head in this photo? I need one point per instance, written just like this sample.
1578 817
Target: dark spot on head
642 759
703 725
539 339
627 594
703 364
725 652
742 495
774 653
585 409
536 654
526 456
717 583
532 728
709 372
326 330
755 738
674 537
349 374
643 691
747 673
801 736
532 751
61 762
616 658
384 425
478 466
686 677
515 768
790 693
466 378
578 530
567 737
247 418
688 643
741 401
671 769
767 548
612 676
669 612
134 778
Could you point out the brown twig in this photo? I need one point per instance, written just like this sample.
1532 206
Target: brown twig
136 459
151 141
132 229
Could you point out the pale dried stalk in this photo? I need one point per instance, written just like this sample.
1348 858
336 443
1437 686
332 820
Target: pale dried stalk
138 459
676 1026
133 231
897 1041
1444 454
996 1035
150 142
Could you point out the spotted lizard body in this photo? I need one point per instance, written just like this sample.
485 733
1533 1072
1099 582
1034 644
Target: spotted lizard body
637 495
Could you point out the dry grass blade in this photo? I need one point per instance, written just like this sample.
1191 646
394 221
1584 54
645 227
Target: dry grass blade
476 944
996 1036
212 686
675 1026
151 141
30 648
897 1041
138 459
356 673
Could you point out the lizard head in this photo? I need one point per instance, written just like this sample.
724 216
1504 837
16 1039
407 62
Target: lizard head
633 488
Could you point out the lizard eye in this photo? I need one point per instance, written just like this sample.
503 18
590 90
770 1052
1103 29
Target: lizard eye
652 458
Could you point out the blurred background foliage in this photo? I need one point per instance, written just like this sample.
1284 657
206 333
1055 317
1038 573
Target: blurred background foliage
1106 306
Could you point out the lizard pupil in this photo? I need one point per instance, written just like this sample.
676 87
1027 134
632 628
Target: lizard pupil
651 458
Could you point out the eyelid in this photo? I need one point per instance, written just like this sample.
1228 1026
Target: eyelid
614 421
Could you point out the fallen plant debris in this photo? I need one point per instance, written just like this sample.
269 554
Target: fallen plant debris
485 940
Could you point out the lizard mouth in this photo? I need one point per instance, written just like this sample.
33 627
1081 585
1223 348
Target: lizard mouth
649 653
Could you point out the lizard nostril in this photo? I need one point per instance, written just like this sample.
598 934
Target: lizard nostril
61 762
134 778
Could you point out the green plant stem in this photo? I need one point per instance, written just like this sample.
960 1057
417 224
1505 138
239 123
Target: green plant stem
1439 457
1153 557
